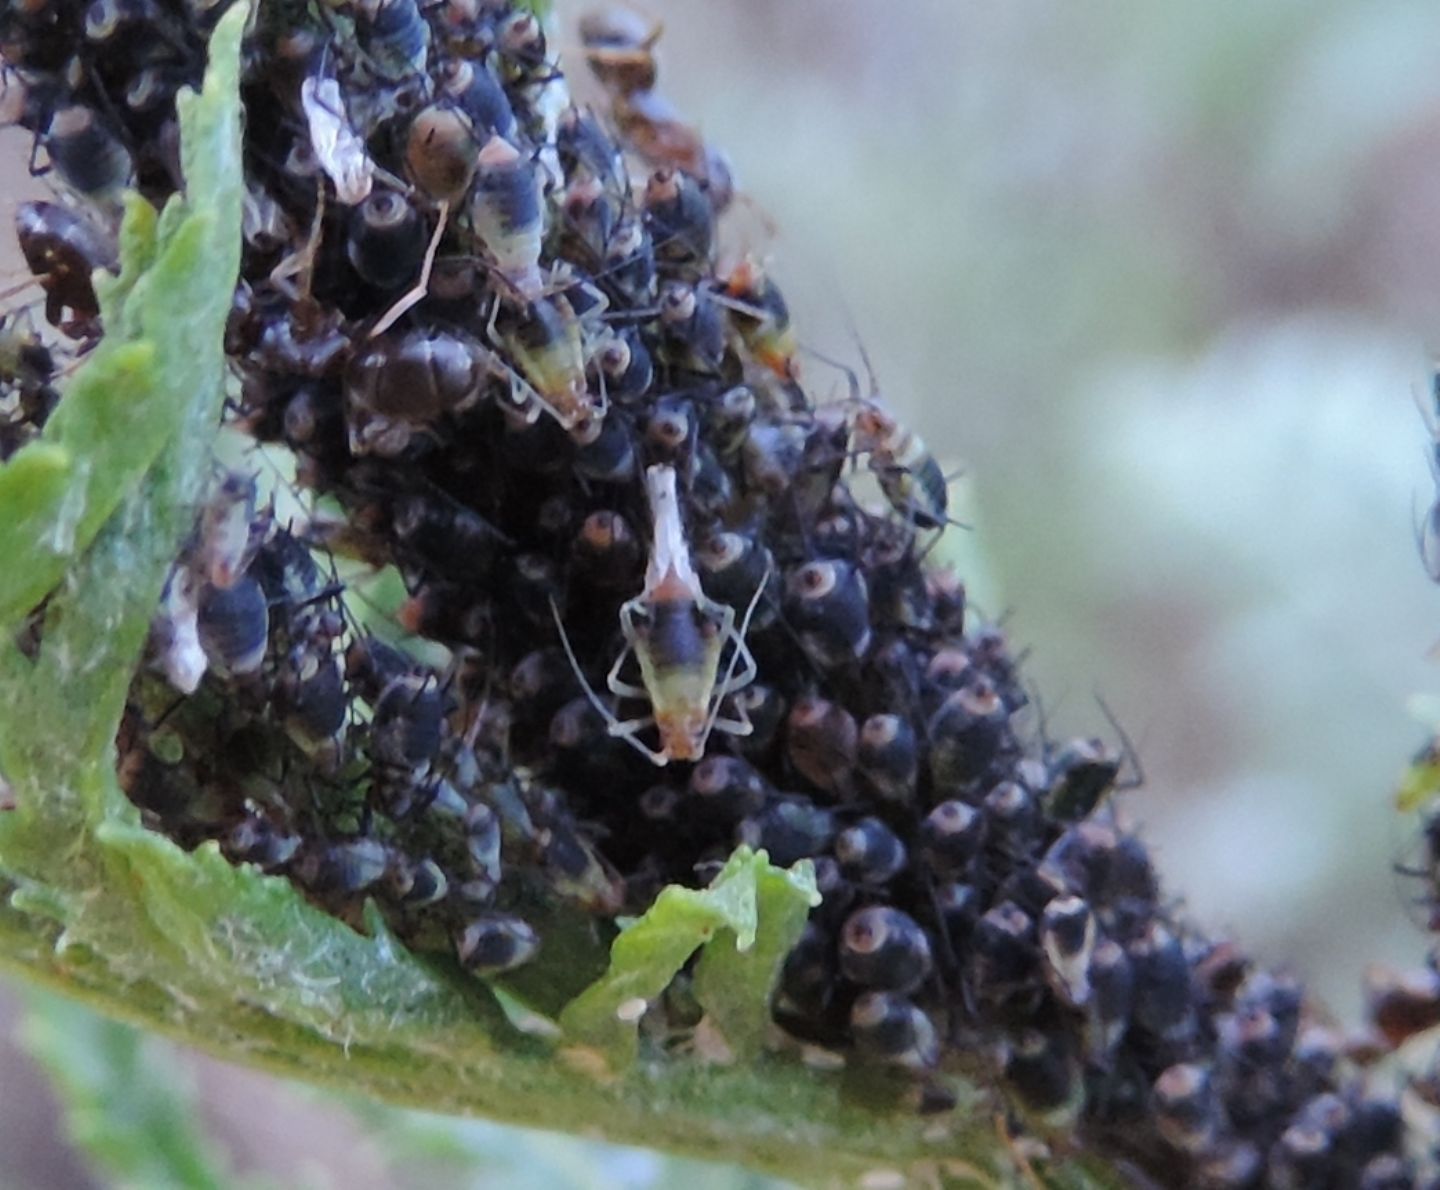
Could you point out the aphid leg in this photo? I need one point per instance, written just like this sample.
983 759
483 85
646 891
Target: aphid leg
616 686
624 730
521 390
736 680
736 727
422 286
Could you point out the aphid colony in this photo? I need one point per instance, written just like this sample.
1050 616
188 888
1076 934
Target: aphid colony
645 618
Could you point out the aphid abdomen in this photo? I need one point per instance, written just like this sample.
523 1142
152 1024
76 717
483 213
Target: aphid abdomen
234 626
679 658
507 214
681 655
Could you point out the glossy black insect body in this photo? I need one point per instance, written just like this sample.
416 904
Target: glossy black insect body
885 949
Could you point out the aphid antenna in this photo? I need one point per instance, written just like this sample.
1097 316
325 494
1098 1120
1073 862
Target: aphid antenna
623 730
1128 750
789 630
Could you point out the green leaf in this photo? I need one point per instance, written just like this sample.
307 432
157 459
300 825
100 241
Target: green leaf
726 919
734 981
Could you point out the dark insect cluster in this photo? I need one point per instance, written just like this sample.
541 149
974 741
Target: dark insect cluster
661 596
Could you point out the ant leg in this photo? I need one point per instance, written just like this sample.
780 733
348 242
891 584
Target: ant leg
421 287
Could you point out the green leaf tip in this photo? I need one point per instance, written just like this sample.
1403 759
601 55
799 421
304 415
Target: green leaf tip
744 924
161 362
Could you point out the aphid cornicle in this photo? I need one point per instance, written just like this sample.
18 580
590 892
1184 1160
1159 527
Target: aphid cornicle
678 635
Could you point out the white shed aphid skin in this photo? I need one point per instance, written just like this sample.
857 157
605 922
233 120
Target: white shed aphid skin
678 635
338 148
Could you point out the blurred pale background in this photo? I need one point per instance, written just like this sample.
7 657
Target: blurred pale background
1163 278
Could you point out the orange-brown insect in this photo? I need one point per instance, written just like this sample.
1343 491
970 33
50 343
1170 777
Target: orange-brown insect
678 635
619 46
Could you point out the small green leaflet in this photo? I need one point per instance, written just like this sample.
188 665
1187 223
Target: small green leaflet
746 921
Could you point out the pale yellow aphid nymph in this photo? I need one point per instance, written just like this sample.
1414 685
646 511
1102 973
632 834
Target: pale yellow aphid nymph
678 635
